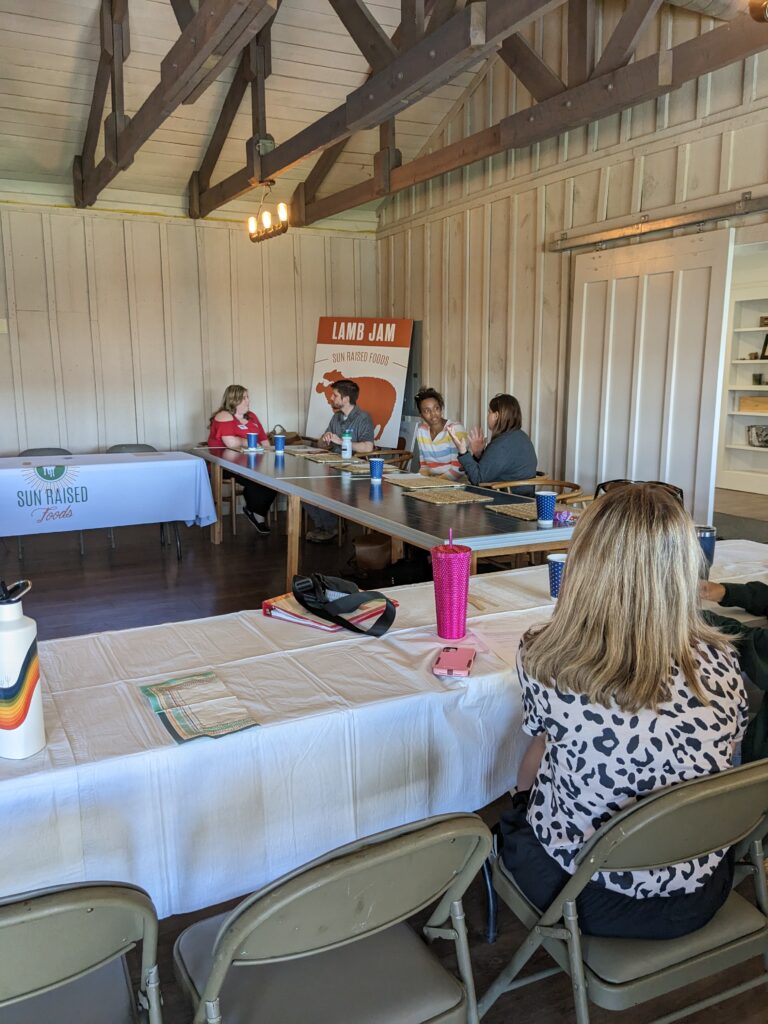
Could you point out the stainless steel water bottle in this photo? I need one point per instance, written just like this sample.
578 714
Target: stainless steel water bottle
22 730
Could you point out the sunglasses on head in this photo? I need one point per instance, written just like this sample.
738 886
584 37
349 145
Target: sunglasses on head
610 485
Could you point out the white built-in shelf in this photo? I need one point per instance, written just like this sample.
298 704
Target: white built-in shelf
750 362
747 448
750 387
750 330
748 414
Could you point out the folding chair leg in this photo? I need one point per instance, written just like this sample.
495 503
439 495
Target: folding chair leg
506 979
492 905
112 537
578 981
462 956
178 541
82 545
162 535
20 549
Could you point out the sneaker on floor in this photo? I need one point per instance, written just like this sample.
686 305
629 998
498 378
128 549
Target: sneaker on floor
259 523
320 536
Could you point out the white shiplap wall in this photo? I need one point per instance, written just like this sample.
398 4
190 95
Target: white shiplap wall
122 328
467 251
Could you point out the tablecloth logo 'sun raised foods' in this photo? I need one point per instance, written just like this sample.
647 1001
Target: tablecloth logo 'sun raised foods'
373 352
51 492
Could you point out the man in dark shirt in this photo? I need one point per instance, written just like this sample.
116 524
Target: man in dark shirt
347 416
751 642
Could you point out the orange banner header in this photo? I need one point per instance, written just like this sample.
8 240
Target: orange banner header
355 330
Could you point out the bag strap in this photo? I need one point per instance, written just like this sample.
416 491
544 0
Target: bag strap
310 592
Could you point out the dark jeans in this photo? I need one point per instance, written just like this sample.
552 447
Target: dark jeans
257 497
602 911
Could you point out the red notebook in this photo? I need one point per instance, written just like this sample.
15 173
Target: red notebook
287 607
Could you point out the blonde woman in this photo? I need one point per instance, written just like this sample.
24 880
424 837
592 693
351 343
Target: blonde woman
229 428
625 691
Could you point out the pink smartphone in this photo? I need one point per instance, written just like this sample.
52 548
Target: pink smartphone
454 661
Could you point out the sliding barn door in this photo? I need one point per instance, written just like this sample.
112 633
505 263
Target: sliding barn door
646 362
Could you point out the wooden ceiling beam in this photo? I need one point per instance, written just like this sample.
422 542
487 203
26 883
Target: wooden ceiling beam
182 70
442 10
368 36
416 72
620 47
581 40
412 20
185 11
306 191
535 74
625 87
84 163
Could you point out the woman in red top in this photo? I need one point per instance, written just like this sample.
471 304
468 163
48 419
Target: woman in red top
229 428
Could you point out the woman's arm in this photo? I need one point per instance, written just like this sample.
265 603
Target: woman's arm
529 766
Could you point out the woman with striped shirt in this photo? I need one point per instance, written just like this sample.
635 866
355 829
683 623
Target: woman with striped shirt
438 455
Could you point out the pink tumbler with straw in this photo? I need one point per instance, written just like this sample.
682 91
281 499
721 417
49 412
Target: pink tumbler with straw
450 569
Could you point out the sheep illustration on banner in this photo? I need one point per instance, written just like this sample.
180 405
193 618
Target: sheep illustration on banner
370 351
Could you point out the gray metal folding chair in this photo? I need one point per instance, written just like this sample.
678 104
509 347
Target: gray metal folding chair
328 942
131 449
675 824
62 956
49 451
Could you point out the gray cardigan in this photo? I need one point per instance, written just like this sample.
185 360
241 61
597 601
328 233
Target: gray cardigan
509 456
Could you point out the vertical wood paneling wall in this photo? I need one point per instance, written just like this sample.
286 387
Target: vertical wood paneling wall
467 251
120 329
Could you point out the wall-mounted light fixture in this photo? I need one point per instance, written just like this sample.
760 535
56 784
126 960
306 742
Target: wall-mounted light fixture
261 227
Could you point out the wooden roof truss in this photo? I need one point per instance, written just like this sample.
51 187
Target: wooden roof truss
436 40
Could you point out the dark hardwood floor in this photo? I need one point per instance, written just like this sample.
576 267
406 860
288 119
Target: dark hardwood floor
141 584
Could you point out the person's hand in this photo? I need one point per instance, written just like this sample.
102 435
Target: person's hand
460 443
329 438
476 440
711 591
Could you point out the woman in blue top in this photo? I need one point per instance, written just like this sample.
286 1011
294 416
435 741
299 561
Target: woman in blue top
509 455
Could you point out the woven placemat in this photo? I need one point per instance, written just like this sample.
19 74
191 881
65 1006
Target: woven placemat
454 496
361 467
415 481
527 510
324 457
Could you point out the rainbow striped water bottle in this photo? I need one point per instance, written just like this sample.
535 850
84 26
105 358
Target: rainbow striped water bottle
22 730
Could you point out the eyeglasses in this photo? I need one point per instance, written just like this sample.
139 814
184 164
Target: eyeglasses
609 485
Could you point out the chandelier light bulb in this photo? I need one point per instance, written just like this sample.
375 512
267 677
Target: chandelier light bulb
282 213
266 220
252 225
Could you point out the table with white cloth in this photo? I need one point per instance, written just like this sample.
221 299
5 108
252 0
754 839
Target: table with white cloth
54 493
356 735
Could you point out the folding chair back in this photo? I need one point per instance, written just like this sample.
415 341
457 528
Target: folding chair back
362 889
129 449
55 936
683 822
46 451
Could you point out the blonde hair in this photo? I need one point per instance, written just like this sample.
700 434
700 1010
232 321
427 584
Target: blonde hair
232 397
628 609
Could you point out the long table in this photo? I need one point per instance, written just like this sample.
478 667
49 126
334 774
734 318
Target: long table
385 508
54 493
356 735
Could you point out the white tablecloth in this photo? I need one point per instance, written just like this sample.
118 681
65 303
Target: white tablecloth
356 735
50 494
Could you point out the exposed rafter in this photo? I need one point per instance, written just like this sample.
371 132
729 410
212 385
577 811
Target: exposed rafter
537 76
217 29
643 80
369 37
621 45
581 40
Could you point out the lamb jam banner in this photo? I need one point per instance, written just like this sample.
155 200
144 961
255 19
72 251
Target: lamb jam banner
374 354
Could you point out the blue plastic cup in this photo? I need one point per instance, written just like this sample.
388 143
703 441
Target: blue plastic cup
253 440
279 444
707 536
556 565
545 507
377 470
